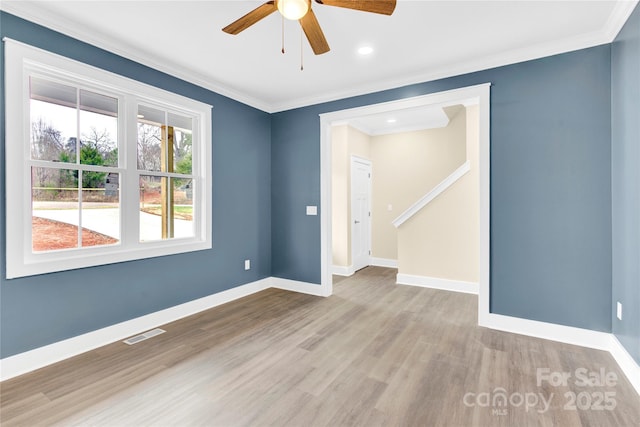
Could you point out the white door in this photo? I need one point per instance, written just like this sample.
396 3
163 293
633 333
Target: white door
360 213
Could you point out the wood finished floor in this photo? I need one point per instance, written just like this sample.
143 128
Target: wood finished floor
373 354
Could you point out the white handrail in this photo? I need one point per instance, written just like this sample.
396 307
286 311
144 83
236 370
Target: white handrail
435 192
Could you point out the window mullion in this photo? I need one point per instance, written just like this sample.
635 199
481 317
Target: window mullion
78 162
130 186
80 194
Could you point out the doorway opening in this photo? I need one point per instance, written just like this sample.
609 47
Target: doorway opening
473 95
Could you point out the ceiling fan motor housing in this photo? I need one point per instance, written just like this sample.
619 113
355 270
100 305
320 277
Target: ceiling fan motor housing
293 9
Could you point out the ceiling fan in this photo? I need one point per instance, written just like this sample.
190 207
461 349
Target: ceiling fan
300 10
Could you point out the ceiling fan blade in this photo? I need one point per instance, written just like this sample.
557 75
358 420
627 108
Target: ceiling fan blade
251 18
384 7
314 33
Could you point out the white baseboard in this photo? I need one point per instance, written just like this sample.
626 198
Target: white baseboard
549 331
341 270
570 335
437 283
384 262
296 286
42 356
627 364
348 270
37 358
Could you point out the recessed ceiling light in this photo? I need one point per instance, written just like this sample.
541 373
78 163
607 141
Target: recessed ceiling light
365 50
391 120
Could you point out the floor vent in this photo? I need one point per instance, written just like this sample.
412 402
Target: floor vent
149 334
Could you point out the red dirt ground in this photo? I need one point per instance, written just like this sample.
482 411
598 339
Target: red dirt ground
50 235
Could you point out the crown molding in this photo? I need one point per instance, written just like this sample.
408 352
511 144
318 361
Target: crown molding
31 11
619 16
485 63
34 13
621 12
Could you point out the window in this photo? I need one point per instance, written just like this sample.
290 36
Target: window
99 168
73 162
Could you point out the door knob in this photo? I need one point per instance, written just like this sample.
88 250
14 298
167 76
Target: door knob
356 222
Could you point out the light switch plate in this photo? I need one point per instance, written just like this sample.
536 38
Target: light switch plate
619 310
312 210
247 264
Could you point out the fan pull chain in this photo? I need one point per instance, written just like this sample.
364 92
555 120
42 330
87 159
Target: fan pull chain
301 51
283 34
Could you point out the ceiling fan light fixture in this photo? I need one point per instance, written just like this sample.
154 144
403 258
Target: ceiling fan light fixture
293 9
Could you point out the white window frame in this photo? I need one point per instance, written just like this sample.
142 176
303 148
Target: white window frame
23 61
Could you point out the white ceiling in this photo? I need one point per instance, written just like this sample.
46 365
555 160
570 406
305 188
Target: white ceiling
423 40
406 120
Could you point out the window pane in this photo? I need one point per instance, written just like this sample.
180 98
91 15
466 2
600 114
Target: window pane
150 208
98 129
182 142
183 207
54 209
166 208
101 211
150 123
54 121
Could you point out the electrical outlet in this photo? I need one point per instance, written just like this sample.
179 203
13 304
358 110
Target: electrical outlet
247 264
619 310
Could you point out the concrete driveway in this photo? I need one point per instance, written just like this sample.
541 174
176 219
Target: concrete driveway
104 218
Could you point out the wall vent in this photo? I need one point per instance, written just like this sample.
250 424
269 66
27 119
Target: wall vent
145 336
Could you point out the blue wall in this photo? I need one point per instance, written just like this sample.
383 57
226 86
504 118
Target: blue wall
36 311
625 153
550 186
